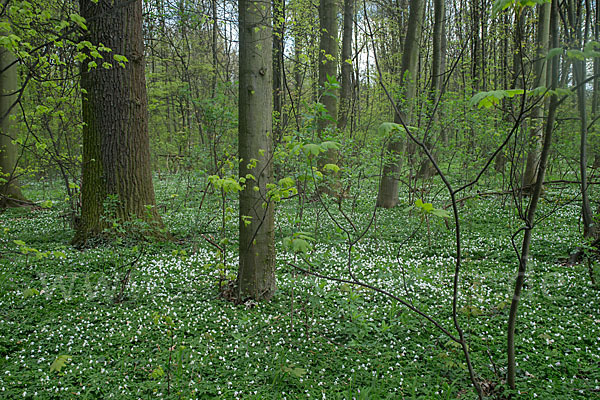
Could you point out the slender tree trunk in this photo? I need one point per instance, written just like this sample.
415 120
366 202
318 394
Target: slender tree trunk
278 27
346 84
586 208
537 191
476 72
116 150
214 48
256 274
388 188
10 191
596 88
427 169
537 114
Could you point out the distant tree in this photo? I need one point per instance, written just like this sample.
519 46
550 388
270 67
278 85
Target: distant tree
346 83
256 273
116 154
10 191
328 61
537 114
388 189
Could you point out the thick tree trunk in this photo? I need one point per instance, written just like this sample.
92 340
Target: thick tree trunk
346 84
537 114
388 188
10 191
256 274
328 59
116 151
328 56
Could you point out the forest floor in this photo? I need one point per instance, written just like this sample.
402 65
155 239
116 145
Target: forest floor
170 334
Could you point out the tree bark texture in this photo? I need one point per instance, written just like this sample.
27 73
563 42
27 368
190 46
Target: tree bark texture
328 55
346 84
116 150
10 191
256 274
328 60
388 188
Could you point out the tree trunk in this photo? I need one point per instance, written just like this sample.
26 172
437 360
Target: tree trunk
328 59
278 26
596 92
116 151
537 191
256 274
537 113
388 188
10 191
346 84
426 170
328 55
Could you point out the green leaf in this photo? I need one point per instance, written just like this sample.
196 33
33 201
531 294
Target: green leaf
329 145
295 371
311 149
554 52
30 293
157 373
331 167
287 182
576 55
386 128
492 98
440 212
79 20
501 5
538 91
59 363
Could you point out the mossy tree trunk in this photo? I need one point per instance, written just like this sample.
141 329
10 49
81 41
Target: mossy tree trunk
256 274
10 191
388 188
116 149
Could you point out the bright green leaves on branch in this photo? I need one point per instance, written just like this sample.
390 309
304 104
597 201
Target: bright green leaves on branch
298 243
590 50
313 149
428 209
494 97
501 5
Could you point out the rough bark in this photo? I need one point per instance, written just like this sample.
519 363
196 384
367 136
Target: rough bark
256 274
10 191
388 188
537 113
116 150
346 83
